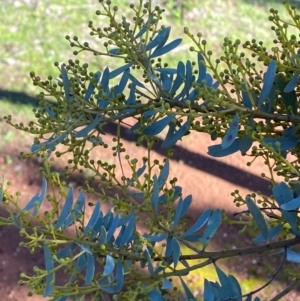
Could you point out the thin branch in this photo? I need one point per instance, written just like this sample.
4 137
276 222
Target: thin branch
271 279
287 290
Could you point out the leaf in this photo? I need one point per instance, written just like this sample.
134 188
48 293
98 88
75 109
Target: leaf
258 217
94 218
167 284
120 276
232 132
272 233
292 84
90 270
103 236
169 47
49 265
179 77
208 293
163 176
175 251
37 200
199 223
127 233
218 151
114 51
66 83
177 213
245 144
66 210
161 36
166 81
188 77
187 291
92 85
286 143
292 205
155 237
149 261
84 132
155 195
158 126
236 288
109 265
268 82
164 37
292 256
170 141
114 225
156 296
120 70
212 226
283 194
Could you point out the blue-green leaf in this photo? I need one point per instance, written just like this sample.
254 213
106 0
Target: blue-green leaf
245 144
103 236
90 269
268 82
292 84
175 251
155 195
286 143
149 261
187 291
283 194
213 224
179 77
160 37
109 265
92 85
169 47
158 126
258 217
128 232
84 132
167 284
208 293
37 200
114 225
170 141
120 70
272 233
66 209
291 205
232 132
199 223
292 256
93 219
66 82
163 176
49 265
218 151
156 296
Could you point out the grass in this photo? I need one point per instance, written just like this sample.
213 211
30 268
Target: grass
33 37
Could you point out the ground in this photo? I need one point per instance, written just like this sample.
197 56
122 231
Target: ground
209 180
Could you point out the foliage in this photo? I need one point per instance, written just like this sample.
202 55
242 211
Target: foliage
251 111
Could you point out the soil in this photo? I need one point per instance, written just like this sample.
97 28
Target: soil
208 179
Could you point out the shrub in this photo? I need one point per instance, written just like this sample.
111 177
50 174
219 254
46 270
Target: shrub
250 111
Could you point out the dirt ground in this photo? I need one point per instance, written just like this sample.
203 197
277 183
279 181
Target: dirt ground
209 180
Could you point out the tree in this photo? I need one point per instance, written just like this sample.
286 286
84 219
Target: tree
251 111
